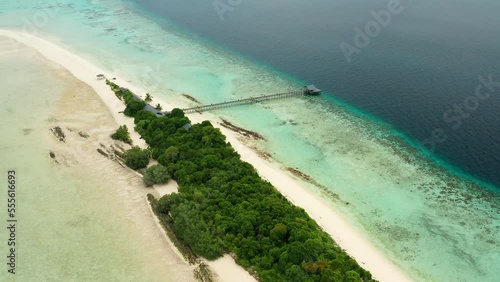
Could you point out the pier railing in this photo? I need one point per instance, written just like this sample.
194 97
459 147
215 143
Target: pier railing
246 101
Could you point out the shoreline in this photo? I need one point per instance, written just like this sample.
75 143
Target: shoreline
344 234
87 210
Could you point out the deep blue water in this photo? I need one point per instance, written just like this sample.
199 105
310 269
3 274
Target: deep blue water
424 65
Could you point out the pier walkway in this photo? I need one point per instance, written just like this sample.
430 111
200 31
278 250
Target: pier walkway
240 102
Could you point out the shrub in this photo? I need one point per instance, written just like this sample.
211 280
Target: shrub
164 204
352 276
136 158
133 107
155 174
122 134
143 115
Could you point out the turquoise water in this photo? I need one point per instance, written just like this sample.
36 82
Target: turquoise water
425 61
435 224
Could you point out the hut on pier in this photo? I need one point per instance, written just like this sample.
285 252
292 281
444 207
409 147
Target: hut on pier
311 90
100 76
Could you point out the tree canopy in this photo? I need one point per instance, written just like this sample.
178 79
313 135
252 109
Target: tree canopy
223 206
155 174
136 158
122 134
134 107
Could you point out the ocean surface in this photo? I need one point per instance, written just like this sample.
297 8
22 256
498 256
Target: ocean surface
423 188
418 67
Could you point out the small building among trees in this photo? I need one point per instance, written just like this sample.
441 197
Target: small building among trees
150 108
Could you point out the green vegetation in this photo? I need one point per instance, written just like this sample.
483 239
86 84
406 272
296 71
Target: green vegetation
134 107
223 206
166 221
134 104
148 98
136 158
158 107
122 93
155 174
122 134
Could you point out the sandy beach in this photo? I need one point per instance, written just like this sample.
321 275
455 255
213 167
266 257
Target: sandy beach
344 234
91 212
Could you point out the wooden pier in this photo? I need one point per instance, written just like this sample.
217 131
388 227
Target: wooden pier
250 100
309 90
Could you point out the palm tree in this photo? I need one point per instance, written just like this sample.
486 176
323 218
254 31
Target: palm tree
149 98
158 107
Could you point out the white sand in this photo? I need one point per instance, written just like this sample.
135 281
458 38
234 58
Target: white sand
228 270
346 236
167 189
